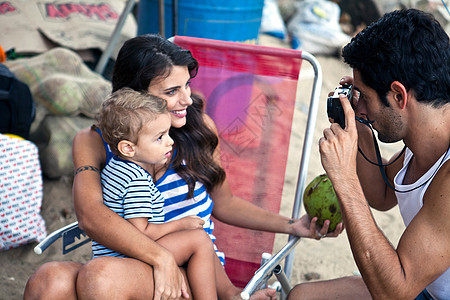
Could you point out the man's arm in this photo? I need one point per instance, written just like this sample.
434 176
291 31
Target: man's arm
377 193
422 254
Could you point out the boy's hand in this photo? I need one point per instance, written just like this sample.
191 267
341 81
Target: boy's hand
192 222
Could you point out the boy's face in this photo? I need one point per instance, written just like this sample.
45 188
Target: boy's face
154 145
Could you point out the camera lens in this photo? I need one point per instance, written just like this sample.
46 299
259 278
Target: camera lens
330 107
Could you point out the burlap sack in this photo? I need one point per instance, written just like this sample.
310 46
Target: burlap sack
68 95
62 83
54 140
35 26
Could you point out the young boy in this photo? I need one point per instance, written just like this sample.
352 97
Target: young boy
136 127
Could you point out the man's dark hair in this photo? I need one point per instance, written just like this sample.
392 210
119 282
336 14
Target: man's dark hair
409 46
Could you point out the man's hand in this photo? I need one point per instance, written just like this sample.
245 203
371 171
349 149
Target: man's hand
304 227
338 147
169 281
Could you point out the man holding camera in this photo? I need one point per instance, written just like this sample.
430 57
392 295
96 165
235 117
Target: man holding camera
401 89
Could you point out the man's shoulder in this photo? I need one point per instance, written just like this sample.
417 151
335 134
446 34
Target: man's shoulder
439 190
443 174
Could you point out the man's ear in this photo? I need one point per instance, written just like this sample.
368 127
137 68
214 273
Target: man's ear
400 94
126 148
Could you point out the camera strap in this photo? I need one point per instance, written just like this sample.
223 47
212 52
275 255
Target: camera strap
379 162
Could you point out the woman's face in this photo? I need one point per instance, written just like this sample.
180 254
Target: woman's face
176 91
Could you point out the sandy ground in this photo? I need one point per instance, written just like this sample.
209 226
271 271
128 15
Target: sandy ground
326 259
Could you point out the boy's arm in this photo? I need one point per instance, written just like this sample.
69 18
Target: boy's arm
157 231
152 200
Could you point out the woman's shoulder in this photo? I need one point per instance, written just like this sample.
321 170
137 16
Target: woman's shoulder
87 135
88 143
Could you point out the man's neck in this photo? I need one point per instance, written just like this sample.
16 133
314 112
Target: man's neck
428 138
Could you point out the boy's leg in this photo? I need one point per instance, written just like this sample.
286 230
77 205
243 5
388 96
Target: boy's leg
195 248
225 288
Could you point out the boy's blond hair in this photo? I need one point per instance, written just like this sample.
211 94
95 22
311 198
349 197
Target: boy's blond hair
124 113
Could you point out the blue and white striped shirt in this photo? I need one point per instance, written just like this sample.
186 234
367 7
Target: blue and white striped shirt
176 204
129 191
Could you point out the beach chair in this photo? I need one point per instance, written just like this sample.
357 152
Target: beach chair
250 93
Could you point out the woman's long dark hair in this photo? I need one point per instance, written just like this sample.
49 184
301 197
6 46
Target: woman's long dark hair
144 58
194 160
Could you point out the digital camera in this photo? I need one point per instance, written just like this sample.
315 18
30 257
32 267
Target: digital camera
334 106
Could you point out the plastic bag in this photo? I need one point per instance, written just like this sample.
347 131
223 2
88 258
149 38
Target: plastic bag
315 27
20 193
272 23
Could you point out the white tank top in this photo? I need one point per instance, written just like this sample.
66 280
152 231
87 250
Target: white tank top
411 202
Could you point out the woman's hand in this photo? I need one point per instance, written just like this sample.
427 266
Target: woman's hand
304 227
169 281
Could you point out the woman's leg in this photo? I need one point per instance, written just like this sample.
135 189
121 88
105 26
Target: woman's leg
195 248
53 280
115 278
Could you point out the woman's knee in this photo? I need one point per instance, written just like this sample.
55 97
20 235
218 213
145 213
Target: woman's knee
94 277
53 280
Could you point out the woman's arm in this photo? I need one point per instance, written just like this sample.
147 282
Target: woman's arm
236 211
108 228
239 212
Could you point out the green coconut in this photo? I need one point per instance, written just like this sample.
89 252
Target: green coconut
320 201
